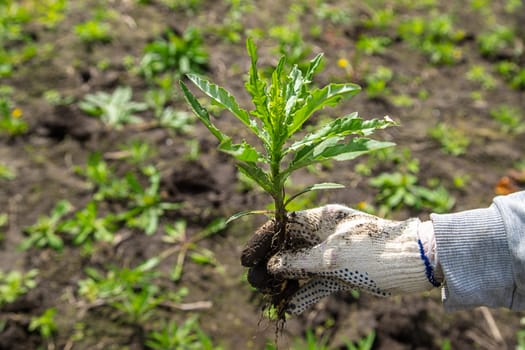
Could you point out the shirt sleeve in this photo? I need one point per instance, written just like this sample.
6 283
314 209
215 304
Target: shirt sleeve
482 255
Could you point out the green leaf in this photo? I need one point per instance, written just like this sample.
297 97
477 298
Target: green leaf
255 85
332 149
225 100
316 187
330 95
242 152
202 113
244 213
313 67
252 171
348 125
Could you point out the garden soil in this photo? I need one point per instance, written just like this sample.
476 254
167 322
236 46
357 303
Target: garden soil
60 139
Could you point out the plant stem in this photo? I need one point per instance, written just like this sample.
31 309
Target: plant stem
278 197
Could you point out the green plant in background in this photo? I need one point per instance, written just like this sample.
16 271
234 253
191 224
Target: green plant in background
497 40
365 343
372 45
377 81
186 244
282 106
186 335
512 73
6 173
478 74
45 324
131 291
146 205
452 140
135 152
114 110
381 18
93 31
14 284
11 121
232 27
116 282
45 232
290 43
510 119
4 220
401 188
176 54
436 37
86 227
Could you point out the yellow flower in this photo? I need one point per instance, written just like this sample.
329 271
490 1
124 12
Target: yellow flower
362 205
16 113
343 62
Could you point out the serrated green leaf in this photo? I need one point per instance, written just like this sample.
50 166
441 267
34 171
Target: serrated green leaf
316 187
243 152
313 66
329 95
332 149
222 97
252 171
202 113
350 124
256 86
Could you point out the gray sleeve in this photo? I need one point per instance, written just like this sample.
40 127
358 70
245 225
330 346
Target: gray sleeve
482 254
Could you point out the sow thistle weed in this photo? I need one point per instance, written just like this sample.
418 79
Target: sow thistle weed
282 106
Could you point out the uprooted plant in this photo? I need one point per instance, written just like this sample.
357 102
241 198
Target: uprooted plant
282 106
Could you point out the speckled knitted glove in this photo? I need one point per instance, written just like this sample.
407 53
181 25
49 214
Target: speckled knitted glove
341 249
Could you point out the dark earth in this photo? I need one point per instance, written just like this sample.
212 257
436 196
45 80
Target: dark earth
61 137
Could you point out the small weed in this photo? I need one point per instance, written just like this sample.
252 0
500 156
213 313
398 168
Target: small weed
53 97
365 343
14 284
372 45
399 189
232 27
114 110
87 227
45 232
376 82
290 43
510 119
6 173
478 74
380 19
187 335
452 140
175 54
136 152
175 120
11 118
435 37
185 244
498 41
4 220
146 205
117 281
93 31
45 324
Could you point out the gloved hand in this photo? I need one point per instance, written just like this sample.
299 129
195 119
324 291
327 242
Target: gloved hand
335 248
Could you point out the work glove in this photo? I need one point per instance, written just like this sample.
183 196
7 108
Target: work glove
334 248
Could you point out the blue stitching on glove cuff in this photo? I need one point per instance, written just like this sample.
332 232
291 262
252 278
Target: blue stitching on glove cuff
429 271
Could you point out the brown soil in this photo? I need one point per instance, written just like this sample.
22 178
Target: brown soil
61 138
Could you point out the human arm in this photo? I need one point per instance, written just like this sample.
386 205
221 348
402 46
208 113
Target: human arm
482 254
473 251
